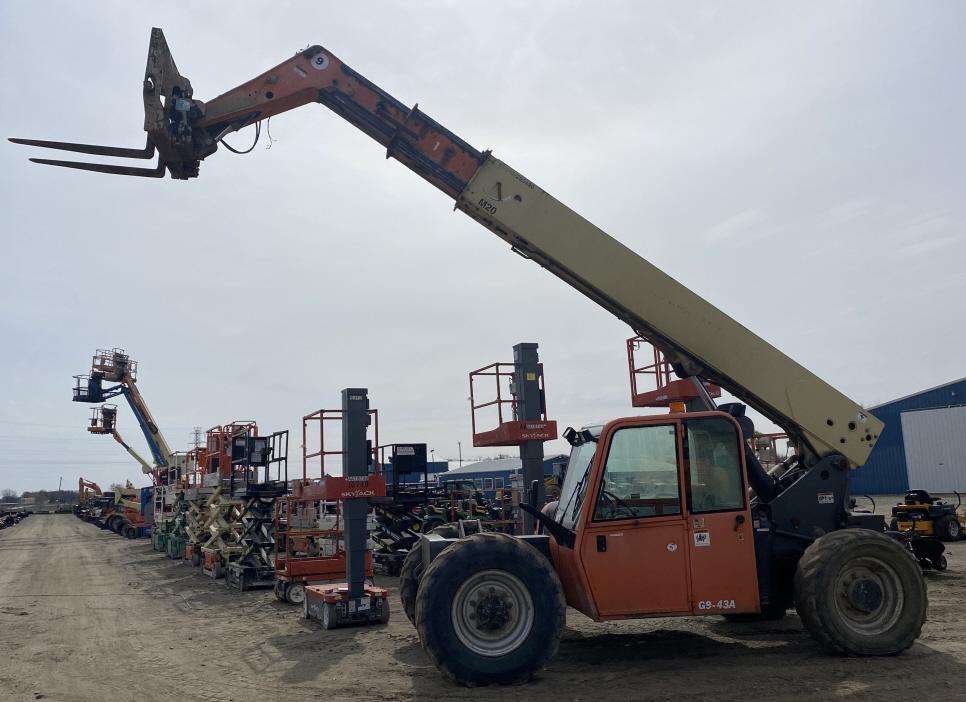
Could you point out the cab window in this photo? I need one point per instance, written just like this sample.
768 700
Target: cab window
715 482
641 474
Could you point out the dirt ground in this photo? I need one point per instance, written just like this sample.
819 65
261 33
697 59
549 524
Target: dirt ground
86 615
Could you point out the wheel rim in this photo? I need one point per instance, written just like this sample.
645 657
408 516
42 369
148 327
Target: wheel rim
954 529
492 613
868 596
296 594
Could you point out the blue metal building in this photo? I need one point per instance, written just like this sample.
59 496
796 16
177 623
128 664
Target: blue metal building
907 437
434 468
494 474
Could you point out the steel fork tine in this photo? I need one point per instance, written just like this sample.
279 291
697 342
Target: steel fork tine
116 151
157 172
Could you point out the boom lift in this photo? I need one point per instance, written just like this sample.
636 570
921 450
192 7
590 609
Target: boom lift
104 422
116 366
654 517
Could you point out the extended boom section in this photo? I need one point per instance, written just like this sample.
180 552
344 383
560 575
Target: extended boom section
697 338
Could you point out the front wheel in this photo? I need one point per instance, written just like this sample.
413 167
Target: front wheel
295 593
490 609
860 594
412 570
330 616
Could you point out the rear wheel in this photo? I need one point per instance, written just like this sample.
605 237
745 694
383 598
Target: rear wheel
948 528
490 609
859 593
279 590
412 569
295 593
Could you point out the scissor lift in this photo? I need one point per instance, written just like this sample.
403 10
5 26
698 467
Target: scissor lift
195 498
169 504
221 527
259 479
210 508
400 518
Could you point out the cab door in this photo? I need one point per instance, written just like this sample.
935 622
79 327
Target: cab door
720 543
633 547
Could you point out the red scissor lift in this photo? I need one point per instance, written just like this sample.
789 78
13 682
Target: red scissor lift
309 539
669 391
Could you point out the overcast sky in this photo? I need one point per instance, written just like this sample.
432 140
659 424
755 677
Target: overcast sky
801 165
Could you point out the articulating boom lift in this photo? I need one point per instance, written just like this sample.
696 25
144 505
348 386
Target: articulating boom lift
655 517
116 366
104 421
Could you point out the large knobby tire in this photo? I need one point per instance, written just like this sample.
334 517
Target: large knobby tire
490 609
412 570
859 593
948 528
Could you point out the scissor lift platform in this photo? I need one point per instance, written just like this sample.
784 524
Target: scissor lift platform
332 606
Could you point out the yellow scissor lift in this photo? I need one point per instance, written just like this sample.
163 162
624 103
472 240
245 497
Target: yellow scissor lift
214 518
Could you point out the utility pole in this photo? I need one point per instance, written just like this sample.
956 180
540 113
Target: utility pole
459 444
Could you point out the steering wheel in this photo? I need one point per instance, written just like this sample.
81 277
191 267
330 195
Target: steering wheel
619 502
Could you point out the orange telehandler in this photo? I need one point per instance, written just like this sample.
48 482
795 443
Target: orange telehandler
658 515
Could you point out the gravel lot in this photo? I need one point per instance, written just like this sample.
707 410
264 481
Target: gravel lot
86 615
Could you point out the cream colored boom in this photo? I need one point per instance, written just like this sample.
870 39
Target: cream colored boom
697 337
689 329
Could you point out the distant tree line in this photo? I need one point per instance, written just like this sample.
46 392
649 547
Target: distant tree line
40 496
